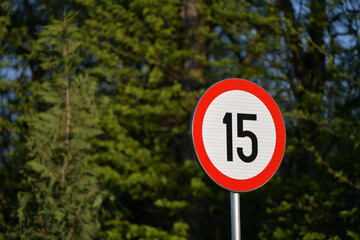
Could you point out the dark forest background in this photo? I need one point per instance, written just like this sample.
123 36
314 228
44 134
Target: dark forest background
96 98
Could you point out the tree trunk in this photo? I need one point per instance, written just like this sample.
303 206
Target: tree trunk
192 25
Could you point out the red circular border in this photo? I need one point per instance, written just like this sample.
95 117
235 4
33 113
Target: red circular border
205 100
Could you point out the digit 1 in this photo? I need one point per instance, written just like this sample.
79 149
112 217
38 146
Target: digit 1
229 140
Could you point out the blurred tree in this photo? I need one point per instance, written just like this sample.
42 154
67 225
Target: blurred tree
20 23
61 198
151 61
14 102
139 49
316 195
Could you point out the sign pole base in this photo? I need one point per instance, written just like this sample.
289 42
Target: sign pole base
235 215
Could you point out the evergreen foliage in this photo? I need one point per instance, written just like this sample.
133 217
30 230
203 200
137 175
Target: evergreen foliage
61 199
96 105
322 145
144 117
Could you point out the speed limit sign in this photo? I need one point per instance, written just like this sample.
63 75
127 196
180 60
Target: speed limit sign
238 134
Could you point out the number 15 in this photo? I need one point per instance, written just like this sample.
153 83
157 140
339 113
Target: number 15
240 133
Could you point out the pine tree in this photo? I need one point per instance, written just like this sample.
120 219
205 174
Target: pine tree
63 197
14 102
315 197
153 60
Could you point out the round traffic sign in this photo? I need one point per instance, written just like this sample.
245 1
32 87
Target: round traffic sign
238 134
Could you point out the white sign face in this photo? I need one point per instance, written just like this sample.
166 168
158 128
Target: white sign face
238 134
215 134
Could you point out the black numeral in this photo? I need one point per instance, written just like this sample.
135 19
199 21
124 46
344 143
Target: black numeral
229 142
240 133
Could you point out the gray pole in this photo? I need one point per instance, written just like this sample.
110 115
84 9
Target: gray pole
235 215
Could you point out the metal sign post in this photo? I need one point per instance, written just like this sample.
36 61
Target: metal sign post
235 216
